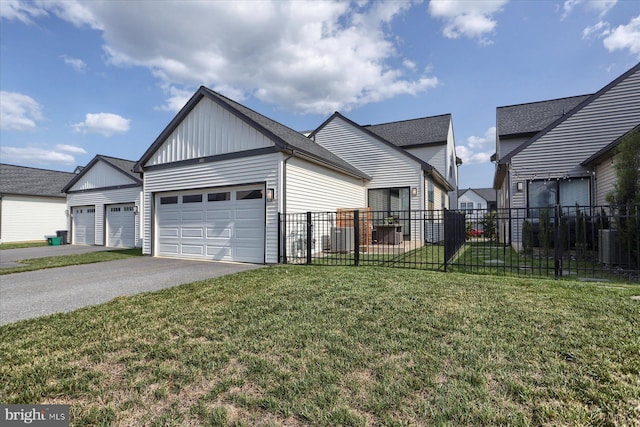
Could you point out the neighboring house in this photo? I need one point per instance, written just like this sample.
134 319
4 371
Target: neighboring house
217 177
547 168
400 181
32 204
474 200
103 200
430 139
602 165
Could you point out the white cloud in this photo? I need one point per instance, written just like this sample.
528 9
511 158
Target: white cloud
602 27
103 123
75 63
70 149
309 57
35 155
625 37
471 19
176 101
21 11
601 7
18 111
478 149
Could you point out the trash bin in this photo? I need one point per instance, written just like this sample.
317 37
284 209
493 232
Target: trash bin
53 240
62 234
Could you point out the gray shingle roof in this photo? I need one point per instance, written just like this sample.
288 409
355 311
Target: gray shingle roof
284 137
489 194
28 181
422 131
534 116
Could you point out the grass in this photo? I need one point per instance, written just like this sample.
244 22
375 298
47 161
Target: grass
309 345
66 260
19 245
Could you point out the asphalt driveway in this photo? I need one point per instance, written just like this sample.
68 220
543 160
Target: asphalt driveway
38 293
8 257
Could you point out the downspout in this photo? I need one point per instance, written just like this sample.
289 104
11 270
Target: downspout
283 238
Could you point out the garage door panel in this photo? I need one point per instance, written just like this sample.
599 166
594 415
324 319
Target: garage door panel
188 232
121 228
169 232
213 233
223 224
192 249
84 225
168 249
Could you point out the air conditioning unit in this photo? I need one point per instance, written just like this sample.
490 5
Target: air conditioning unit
342 239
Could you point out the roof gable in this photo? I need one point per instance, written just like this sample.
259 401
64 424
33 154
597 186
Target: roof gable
404 153
104 172
586 103
282 137
609 150
22 180
415 132
488 194
532 117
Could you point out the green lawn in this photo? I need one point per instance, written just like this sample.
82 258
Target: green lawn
19 245
308 345
66 260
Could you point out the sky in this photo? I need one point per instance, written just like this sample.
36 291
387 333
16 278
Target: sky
79 79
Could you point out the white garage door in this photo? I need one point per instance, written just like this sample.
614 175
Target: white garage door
121 226
84 225
217 224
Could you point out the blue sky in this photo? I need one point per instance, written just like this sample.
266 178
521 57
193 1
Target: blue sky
86 78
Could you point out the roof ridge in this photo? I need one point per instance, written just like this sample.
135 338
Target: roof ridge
408 120
545 100
33 168
115 158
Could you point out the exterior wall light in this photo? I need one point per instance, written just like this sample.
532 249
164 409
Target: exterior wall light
414 191
136 210
270 194
520 186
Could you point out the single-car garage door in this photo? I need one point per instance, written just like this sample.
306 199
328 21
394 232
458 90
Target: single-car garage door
84 225
121 225
217 224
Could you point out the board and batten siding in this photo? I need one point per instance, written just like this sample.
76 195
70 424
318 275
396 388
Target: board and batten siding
208 130
27 218
224 173
559 152
101 199
605 181
99 176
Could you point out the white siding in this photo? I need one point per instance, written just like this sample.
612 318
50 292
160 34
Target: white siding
435 155
472 197
605 181
100 199
311 187
101 175
208 130
560 152
225 173
26 218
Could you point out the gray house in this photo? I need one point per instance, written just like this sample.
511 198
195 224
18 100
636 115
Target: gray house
549 168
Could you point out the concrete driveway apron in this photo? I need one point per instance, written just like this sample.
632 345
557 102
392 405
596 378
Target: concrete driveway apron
38 293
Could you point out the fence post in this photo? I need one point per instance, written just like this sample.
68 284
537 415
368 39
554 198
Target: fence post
443 212
557 245
356 236
309 237
283 235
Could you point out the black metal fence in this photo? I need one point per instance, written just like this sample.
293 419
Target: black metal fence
594 243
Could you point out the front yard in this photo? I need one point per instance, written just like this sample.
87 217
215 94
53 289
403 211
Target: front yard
308 345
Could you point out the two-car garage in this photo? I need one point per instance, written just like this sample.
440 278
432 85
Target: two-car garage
224 223
120 225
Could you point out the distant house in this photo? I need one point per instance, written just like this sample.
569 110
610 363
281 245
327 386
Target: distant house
550 168
104 200
473 200
32 204
430 139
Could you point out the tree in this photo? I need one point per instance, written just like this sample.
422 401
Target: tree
625 196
